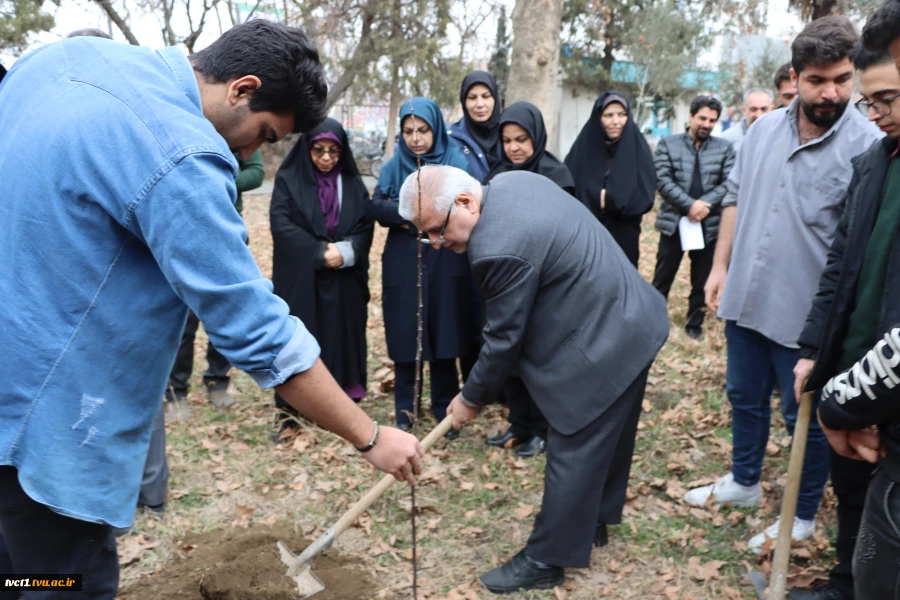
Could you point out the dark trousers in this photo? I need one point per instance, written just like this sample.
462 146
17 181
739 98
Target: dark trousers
627 233
877 554
850 479
34 539
755 364
585 481
525 418
668 259
444 387
156 469
216 376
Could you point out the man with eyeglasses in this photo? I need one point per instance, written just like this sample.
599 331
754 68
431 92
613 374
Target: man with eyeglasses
853 312
567 313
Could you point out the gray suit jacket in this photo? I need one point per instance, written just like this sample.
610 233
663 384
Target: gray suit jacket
565 310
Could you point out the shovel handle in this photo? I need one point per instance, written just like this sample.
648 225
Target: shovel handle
782 559
387 481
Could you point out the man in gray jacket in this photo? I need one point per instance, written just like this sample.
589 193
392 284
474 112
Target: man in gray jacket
568 313
691 171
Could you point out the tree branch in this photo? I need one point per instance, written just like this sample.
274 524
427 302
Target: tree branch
362 56
119 21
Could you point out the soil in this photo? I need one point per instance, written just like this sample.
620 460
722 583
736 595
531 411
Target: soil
244 564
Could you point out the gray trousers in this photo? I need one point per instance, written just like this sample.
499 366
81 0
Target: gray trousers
585 482
156 469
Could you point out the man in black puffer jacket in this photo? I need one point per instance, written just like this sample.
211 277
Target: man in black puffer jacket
691 171
850 336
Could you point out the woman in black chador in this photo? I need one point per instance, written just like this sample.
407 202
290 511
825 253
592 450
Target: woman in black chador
618 196
322 231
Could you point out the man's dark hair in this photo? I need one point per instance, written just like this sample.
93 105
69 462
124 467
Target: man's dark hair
286 62
823 42
864 59
89 32
706 101
882 27
782 75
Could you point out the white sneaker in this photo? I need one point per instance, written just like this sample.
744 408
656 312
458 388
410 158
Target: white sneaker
800 532
725 491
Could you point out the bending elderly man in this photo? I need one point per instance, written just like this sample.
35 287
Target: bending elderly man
568 313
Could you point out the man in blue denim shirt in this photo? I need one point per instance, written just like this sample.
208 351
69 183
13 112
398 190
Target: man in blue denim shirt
116 215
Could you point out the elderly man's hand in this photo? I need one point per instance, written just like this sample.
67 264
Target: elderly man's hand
462 413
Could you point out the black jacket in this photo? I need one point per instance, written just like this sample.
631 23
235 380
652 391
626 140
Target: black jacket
846 404
675 157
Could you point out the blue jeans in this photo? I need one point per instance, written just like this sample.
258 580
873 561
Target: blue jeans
755 364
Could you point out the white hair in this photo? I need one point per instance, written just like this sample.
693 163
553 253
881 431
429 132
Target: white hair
769 93
444 182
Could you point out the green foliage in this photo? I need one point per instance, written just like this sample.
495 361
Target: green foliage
663 45
411 34
19 19
665 36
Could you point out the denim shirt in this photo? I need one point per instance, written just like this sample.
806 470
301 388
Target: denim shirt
116 215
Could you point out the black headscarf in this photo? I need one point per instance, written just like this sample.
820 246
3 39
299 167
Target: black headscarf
487 133
330 302
631 185
527 116
299 172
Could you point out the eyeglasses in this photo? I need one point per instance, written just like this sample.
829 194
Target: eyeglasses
882 106
440 240
319 152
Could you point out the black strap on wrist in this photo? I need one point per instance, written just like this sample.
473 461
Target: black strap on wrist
374 439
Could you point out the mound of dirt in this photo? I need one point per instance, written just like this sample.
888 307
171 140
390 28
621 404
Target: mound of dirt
244 564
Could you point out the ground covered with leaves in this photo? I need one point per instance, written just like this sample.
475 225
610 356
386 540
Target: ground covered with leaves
475 504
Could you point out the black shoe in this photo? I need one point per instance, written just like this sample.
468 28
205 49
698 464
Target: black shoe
158 510
452 434
601 536
501 439
522 573
532 447
695 332
404 427
824 591
282 425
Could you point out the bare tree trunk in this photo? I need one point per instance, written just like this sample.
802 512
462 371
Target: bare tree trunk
533 72
393 111
119 21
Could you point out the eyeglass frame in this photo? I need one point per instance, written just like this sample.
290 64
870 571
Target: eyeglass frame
440 240
320 152
861 103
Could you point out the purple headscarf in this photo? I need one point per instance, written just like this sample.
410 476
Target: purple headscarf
328 191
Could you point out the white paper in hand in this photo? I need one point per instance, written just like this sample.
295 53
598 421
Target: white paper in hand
691 234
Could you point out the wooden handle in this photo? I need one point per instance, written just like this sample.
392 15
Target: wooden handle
387 481
782 559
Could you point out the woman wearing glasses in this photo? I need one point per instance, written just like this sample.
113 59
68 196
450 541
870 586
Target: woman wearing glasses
322 231
446 280
523 147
